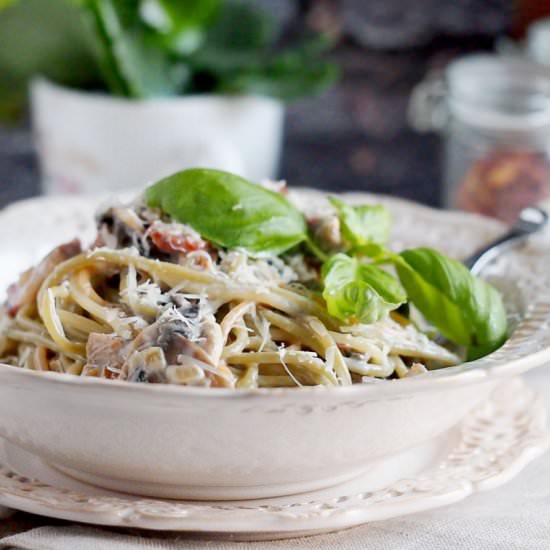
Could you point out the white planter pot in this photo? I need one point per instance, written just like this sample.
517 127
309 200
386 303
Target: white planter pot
90 142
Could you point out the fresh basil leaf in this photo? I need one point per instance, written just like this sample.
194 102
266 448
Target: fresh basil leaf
229 210
6 3
363 224
465 309
376 252
355 291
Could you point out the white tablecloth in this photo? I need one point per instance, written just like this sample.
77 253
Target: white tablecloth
513 517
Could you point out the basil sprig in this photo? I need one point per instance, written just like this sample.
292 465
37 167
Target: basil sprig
356 291
464 308
363 224
232 212
229 210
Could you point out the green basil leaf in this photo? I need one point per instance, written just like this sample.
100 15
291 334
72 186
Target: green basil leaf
355 291
229 210
363 224
376 252
465 309
6 3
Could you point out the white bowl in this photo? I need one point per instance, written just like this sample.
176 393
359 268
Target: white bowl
235 444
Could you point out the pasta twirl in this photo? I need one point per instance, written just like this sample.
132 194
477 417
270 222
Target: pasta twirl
153 302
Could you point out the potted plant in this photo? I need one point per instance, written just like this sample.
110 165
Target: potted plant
159 85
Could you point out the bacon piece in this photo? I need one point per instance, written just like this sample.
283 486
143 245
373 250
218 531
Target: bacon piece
24 291
174 238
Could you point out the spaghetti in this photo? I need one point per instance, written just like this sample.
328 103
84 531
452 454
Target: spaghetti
151 301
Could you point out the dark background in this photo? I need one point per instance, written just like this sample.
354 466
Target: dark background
355 136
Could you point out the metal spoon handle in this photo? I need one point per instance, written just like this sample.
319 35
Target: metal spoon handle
530 220
484 256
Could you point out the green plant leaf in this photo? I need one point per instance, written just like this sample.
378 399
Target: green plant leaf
359 292
229 210
465 309
237 40
222 61
133 64
169 16
181 24
287 75
46 38
239 55
363 224
240 26
146 48
279 80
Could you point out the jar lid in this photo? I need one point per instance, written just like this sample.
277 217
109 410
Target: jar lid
503 93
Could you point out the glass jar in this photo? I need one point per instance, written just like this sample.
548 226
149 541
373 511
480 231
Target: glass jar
494 113
538 41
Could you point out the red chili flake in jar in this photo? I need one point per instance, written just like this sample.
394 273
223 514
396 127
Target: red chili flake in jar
503 183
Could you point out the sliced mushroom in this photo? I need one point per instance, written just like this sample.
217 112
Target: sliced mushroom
148 365
188 374
184 342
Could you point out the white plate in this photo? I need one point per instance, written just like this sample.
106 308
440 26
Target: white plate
487 449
